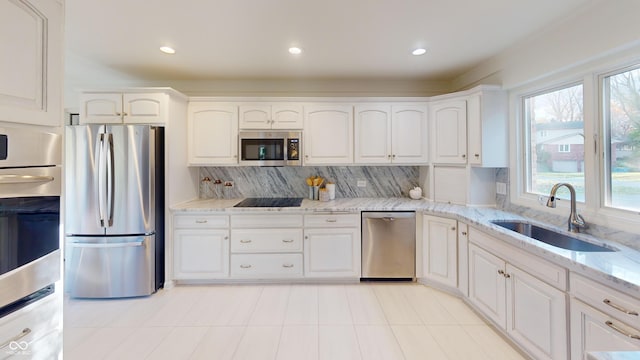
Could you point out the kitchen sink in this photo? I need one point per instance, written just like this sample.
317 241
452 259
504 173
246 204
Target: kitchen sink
552 237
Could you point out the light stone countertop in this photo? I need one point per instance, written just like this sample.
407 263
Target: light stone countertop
619 269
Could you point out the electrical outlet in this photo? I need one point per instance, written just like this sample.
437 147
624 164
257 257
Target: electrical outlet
362 183
501 188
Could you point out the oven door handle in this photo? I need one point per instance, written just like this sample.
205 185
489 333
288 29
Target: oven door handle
24 179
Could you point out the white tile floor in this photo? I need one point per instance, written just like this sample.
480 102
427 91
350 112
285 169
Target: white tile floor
360 321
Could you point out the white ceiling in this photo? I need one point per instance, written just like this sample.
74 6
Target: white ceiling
248 39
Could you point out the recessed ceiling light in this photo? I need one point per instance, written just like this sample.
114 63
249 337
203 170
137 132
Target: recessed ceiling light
167 50
419 51
295 50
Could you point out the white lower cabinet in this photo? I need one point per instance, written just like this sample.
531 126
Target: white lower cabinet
332 246
200 247
602 319
266 266
265 246
440 250
532 312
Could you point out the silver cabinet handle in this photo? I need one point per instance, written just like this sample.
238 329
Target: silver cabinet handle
501 272
118 113
394 156
287 240
243 266
388 156
245 241
226 238
287 265
201 221
453 228
476 155
620 308
23 179
125 114
621 331
464 233
464 156
331 220
306 237
23 333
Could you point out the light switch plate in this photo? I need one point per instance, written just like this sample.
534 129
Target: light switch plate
501 188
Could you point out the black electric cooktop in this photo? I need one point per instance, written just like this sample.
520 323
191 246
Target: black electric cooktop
269 202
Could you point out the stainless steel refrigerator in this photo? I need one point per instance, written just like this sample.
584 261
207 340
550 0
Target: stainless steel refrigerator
114 217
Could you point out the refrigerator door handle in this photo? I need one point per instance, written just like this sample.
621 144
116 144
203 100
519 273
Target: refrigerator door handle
102 192
107 245
110 179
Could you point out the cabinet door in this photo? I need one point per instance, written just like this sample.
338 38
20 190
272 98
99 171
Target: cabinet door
592 330
488 137
373 134
487 285
145 108
213 134
409 134
449 132
201 254
31 67
332 252
440 256
101 108
536 315
286 116
328 134
255 116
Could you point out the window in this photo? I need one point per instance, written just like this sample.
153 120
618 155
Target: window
621 122
558 156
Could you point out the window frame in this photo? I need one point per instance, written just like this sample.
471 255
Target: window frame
593 209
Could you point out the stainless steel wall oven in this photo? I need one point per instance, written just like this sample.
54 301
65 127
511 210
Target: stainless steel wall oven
29 216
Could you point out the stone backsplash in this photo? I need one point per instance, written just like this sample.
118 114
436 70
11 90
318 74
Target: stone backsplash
249 181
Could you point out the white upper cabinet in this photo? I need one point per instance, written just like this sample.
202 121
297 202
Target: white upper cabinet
449 139
31 66
328 134
213 134
487 128
391 134
128 108
271 116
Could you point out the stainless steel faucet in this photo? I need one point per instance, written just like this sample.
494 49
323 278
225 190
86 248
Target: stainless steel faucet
576 222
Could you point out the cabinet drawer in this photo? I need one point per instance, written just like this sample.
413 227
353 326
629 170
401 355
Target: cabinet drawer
266 221
266 266
19 330
200 221
606 299
332 220
266 240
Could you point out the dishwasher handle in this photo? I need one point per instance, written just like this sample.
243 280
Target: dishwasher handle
388 215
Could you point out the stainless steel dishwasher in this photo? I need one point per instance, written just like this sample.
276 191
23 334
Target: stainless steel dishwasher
388 245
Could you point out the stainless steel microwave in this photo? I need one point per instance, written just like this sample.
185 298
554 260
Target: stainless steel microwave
270 148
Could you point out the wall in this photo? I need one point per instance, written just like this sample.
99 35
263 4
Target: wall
382 181
593 32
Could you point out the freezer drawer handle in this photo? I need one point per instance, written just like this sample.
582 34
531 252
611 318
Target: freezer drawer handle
621 331
107 245
24 179
13 340
619 308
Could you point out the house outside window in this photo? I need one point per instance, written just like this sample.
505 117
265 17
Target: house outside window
557 157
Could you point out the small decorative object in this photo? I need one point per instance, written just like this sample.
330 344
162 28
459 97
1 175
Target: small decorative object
217 188
415 193
205 188
324 194
314 183
331 189
228 188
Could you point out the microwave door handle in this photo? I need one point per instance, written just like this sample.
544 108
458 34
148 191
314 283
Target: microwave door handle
110 179
102 193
